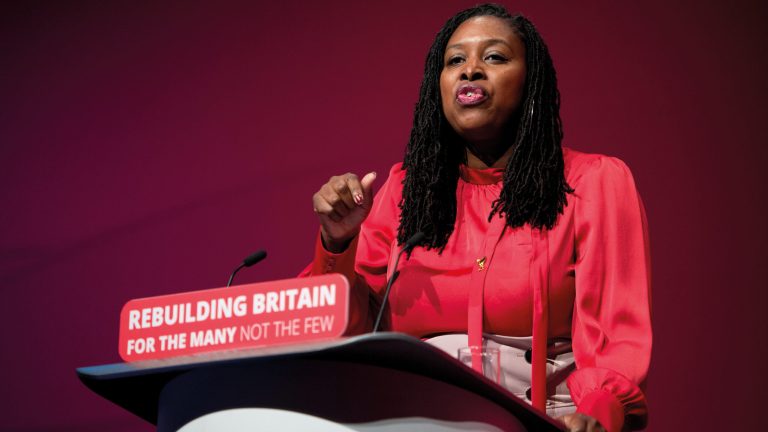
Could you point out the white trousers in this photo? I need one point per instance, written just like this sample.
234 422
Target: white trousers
515 370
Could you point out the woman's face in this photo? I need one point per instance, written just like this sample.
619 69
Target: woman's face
483 78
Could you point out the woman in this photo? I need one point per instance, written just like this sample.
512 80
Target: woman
522 237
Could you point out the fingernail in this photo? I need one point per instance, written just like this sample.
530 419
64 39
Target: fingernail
358 199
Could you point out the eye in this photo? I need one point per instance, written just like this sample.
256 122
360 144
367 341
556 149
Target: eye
454 60
496 58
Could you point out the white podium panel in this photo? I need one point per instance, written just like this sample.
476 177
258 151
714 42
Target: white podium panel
264 419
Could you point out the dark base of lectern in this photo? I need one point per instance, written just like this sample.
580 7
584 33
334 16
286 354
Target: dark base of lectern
383 379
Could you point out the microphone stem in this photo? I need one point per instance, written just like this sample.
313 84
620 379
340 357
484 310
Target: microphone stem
409 245
232 276
386 293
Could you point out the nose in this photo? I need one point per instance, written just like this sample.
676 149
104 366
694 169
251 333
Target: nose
473 70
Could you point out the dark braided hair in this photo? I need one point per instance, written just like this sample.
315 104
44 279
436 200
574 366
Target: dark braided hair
534 188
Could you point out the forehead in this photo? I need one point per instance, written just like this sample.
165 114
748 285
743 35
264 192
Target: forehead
481 28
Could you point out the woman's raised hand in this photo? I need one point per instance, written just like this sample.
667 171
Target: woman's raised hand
342 205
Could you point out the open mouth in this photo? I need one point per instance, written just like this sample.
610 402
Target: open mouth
469 95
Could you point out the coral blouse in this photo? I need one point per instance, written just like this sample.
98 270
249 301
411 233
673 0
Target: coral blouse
588 279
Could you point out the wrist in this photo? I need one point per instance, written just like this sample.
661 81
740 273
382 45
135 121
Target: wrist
334 245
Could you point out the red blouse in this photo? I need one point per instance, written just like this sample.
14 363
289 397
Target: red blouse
588 278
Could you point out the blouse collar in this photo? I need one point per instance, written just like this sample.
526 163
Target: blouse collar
481 176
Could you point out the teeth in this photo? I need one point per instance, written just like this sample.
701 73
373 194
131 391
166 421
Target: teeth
470 94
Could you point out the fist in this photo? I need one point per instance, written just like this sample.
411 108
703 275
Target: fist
342 205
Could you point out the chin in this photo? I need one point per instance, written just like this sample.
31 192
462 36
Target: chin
478 132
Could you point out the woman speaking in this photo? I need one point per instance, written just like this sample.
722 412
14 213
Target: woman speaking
536 249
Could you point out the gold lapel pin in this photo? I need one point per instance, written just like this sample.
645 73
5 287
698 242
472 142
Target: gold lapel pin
480 264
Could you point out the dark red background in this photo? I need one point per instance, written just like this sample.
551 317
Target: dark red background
146 149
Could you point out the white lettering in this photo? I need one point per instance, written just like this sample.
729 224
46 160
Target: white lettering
291 294
272 302
141 345
241 306
157 316
294 299
286 328
219 336
318 324
258 303
173 341
327 295
188 316
203 310
146 317
133 319
254 332
305 299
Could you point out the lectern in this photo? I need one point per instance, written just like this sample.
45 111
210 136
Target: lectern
375 382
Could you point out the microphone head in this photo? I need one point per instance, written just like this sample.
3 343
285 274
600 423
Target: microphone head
414 240
254 258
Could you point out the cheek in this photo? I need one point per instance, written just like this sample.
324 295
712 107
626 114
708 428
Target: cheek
445 90
446 95
515 90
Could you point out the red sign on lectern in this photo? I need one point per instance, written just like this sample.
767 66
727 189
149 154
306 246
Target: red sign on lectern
244 316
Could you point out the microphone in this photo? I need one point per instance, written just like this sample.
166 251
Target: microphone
413 241
247 262
409 244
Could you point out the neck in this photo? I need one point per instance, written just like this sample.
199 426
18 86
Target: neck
491 152
485 157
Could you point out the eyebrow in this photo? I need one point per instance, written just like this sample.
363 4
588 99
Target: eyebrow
487 42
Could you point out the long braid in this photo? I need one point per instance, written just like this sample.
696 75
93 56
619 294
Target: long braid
534 187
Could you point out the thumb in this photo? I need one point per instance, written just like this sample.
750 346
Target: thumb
367 184
367 181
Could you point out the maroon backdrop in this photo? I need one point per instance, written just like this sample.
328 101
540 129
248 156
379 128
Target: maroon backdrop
146 149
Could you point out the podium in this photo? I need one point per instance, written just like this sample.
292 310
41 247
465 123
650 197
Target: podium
374 382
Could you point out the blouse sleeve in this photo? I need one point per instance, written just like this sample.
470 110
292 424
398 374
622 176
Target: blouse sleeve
364 262
612 317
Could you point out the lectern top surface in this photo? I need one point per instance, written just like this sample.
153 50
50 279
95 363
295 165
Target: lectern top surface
136 386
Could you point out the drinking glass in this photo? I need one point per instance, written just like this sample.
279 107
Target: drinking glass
490 358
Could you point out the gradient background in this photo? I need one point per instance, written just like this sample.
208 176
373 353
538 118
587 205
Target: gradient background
147 147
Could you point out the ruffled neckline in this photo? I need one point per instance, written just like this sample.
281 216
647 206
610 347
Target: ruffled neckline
481 176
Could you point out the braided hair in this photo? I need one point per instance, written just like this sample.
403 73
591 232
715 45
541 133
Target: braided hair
534 187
